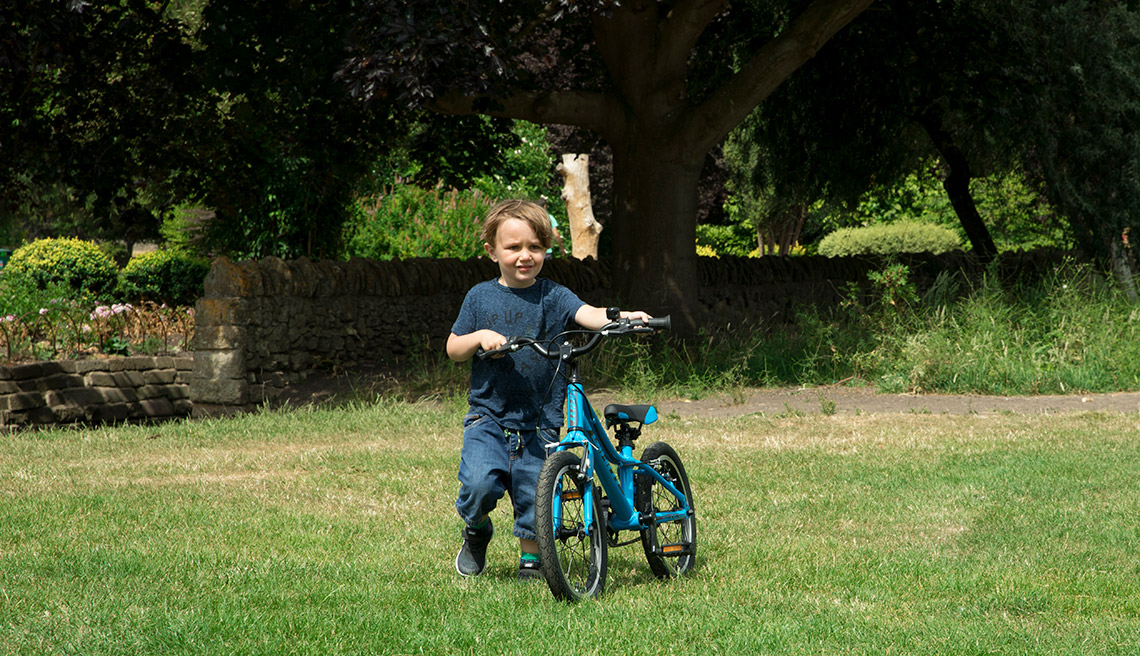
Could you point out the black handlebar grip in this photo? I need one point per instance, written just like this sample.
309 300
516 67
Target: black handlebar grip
660 323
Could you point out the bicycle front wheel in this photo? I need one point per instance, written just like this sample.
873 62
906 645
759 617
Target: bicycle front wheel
573 553
670 547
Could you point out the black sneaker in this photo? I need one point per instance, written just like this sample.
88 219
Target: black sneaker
529 570
472 556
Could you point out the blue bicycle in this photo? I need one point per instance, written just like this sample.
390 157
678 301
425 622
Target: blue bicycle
589 491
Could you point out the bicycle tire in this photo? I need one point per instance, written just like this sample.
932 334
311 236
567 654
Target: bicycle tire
572 561
679 536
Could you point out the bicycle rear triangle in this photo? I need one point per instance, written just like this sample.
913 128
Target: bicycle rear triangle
591 490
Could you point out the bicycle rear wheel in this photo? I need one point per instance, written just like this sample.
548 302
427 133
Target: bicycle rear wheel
670 547
573 555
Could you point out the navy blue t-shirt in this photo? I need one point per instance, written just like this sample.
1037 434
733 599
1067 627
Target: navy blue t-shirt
513 389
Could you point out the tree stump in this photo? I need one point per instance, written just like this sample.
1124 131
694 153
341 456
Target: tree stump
584 228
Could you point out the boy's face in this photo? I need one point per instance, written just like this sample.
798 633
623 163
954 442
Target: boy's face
518 252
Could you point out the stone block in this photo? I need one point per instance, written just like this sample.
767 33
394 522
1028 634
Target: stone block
150 391
108 412
128 378
184 364
40 415
86 366
99 379
157 407
61 381
79 396
216 391
182 407
219 365
228 278
220 312
117 394
28 385
159 376
26 371
219 337
25 401
69 413
138 363
8 387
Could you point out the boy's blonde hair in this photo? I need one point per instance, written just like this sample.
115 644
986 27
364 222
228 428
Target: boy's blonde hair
523 210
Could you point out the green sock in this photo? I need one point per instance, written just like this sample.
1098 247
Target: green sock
481 524
529 557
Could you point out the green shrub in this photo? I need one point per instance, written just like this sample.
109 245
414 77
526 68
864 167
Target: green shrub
78 264
172 277
410 221
902 237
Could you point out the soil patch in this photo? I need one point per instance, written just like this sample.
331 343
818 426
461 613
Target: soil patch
851 401
320 388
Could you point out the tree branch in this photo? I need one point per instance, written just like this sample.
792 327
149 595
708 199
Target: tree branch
592 111
769 67
682 26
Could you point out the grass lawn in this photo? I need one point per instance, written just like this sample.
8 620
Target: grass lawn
334 532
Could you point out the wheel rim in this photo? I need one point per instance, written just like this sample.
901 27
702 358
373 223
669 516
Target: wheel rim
576 550
671 535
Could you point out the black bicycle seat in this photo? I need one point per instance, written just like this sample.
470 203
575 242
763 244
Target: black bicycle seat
621 414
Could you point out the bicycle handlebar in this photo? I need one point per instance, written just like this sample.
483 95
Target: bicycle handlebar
551 349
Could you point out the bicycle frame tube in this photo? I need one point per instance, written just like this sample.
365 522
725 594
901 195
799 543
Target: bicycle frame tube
584 429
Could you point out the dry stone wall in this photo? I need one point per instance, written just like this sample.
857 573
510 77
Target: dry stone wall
264 325
95 391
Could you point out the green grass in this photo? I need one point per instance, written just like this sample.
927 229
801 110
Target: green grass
333 531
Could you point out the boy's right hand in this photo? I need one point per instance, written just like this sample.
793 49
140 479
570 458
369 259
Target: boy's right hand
490 340
462 348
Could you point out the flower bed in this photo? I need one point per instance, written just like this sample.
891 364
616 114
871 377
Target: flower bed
68 329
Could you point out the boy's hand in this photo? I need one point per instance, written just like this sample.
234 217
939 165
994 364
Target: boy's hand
637 315
490 340
462 348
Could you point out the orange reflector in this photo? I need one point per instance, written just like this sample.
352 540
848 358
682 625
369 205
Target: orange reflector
571 496
672 548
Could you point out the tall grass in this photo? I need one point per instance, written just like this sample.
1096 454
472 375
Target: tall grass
334 532
1070 332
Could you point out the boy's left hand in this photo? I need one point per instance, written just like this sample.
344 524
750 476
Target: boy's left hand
637 315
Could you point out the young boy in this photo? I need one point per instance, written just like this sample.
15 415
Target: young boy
515 405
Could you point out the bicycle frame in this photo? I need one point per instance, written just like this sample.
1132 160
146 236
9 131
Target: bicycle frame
584 429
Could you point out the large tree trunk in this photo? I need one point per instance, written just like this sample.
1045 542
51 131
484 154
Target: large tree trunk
655 233
659 135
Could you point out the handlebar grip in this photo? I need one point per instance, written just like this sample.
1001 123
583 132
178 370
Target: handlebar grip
660 323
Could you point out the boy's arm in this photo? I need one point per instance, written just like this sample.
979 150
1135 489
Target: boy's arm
594 318
462 348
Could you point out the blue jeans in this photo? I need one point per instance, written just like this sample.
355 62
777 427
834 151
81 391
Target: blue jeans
494 461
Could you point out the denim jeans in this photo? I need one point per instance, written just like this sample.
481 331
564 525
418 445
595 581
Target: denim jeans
496 461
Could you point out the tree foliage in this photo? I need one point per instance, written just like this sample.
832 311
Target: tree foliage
1044 92
94 101
1081 105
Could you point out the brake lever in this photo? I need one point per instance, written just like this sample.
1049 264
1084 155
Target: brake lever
509 346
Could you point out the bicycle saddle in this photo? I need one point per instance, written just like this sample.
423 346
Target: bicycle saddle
618 414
